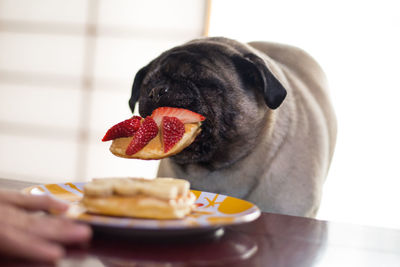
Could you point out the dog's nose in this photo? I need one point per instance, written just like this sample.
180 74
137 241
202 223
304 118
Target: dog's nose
156 93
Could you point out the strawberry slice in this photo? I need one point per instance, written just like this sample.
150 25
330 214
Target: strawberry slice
184 115
147 131
125 128
172 131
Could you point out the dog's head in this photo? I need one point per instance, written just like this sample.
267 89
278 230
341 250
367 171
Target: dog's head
218 78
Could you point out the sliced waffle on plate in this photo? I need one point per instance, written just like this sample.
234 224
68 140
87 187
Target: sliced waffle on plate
160 198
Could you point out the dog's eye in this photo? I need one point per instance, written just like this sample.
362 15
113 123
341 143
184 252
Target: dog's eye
157 92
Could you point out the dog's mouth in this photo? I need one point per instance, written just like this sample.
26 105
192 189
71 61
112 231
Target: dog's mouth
202 147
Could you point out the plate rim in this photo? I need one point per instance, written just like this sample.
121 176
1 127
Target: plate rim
246 218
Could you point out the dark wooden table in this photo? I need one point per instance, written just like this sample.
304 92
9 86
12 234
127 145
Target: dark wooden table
271 240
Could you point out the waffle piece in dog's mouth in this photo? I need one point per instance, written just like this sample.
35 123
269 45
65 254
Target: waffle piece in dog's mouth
159 198
165 133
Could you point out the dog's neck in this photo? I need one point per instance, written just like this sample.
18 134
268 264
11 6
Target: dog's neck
234 171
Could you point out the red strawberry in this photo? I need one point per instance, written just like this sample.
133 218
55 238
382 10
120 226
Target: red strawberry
125 128
147 131
172 131
184 115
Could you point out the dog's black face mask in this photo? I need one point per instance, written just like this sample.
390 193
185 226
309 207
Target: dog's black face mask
216 80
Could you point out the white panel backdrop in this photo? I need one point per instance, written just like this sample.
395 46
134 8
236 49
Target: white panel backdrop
358 45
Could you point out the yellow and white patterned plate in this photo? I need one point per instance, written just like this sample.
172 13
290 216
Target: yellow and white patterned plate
213 210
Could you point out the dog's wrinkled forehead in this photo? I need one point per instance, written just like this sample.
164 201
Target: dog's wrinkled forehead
177 65
170 67
191 61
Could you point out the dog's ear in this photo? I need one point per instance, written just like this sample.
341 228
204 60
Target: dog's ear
257 73
137 82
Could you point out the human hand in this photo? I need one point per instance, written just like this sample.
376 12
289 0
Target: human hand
34 236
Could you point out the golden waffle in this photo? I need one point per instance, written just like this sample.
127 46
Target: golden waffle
160 198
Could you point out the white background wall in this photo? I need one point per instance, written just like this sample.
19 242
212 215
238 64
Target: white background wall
357 43
66 71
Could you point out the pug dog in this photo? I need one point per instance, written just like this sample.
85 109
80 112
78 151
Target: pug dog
270 129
